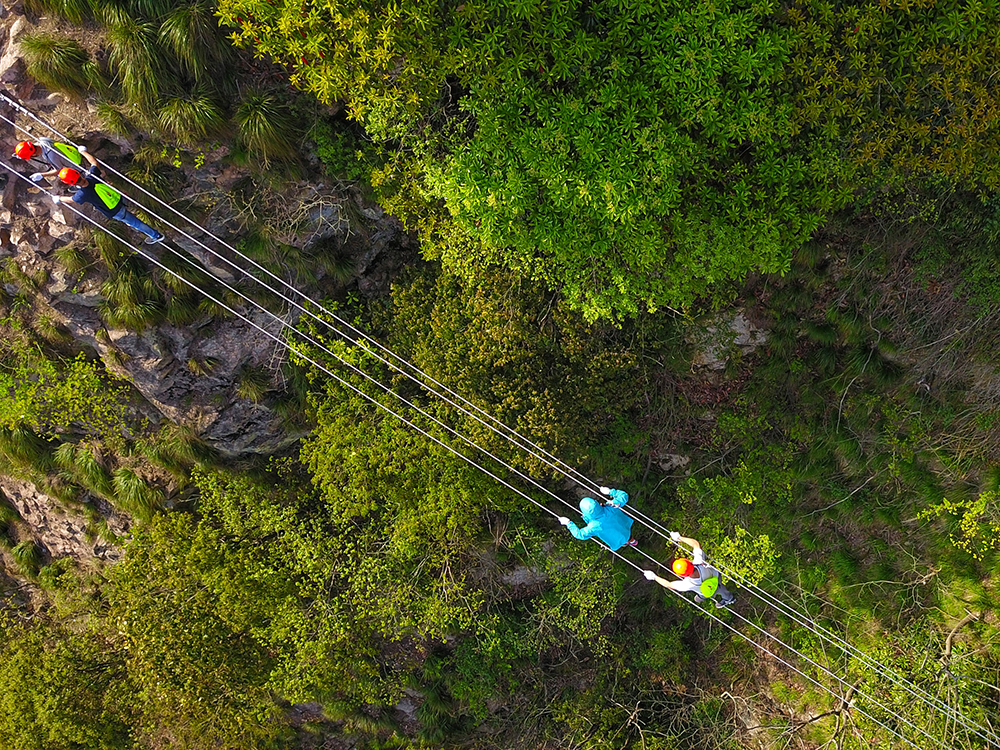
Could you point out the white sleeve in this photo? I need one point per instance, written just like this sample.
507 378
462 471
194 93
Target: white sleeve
698 558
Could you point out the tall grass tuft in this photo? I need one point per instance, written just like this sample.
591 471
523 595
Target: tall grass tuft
252 383
113 120
74 11
130 302
72 257
90 469
111 252
8 513
191 119
182 309
192 33
266 128
28 556
134 495
22 446
52 330
56 61
135 56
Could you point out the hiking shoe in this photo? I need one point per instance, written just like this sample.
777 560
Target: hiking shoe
633 542
154 240
698 598
720 605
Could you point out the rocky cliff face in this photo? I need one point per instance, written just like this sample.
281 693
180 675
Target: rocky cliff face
158 360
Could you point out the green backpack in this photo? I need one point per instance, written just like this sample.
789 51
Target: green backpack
69 152
109 197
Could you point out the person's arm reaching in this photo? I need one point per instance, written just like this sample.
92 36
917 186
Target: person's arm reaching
651 576
689 541
585 533
618 497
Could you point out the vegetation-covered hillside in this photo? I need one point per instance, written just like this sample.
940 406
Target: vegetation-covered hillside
739 259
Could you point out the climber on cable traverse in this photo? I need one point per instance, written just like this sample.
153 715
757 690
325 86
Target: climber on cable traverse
607 522
89 189
58 156
695 575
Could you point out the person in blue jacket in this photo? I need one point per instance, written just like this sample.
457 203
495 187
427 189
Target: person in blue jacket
607 522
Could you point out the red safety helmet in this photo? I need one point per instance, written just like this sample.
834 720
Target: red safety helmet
24 150
69 176
683 567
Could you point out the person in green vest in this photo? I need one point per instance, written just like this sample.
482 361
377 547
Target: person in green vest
695 575
56 155
107 200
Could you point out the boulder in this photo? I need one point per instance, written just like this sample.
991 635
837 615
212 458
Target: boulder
60 529
717 338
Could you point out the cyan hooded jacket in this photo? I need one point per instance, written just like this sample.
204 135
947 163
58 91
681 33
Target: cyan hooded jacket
605 522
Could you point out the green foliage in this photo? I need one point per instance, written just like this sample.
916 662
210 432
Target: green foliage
52 396
58 690
528 155
344 154
55 61
525 359
978 522
904 89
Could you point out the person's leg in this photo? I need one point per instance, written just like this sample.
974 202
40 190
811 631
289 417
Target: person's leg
723 596
133 221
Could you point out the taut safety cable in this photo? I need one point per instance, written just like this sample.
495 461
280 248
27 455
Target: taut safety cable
770 600
465 458
404 367
570 472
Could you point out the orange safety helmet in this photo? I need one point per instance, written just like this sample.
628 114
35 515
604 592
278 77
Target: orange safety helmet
25 150
683 567
69 176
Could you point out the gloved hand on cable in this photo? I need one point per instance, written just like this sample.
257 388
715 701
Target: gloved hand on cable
605 490
675 536
650 575
55 198
82 149
36 177
563 520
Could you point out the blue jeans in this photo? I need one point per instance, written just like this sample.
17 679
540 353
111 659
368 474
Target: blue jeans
133 221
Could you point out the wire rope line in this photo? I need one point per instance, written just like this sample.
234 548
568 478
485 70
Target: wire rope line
843 682
556 463
354 368
768 599
773 601
283 342
404 367
844 703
